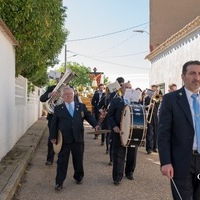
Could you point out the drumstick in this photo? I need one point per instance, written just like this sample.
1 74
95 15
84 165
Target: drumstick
176 188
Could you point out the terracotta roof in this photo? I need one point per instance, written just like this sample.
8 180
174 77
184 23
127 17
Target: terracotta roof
174 38
6 30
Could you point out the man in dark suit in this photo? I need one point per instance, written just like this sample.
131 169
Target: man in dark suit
98 95
152 104
120 152
43 98
68 118
178 139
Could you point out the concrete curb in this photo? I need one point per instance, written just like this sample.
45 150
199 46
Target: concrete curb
13 165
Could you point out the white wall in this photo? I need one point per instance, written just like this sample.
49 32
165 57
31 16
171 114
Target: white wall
166 67
7 88
17 111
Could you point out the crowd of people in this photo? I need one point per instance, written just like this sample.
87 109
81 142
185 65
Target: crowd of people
171 129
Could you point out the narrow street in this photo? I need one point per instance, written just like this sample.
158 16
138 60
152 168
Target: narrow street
148 184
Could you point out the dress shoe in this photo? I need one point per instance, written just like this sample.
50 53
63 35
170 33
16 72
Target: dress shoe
155 150
130 177
58 187
49 163
116 183
149 151
110 163
80 181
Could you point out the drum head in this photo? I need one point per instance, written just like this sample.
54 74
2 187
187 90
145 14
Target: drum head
125 128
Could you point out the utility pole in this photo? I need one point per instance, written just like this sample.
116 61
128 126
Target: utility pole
65 57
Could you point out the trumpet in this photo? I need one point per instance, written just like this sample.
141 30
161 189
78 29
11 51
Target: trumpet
156 98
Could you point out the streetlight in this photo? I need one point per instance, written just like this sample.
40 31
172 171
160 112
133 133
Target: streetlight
140 31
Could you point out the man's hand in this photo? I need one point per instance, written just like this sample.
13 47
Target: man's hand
167 170
55 94
53 141
116 129
97 128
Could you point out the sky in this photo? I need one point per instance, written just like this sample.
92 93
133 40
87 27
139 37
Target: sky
101 35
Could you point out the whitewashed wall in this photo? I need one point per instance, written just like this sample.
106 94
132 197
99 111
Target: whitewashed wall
166 67
17 111
7 88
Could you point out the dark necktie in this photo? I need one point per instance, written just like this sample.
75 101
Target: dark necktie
196 108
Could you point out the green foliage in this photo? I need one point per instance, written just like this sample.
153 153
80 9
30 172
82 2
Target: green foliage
38 26
82 73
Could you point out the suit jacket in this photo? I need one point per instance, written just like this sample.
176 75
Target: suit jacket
72 128
115 112
95 101
176 132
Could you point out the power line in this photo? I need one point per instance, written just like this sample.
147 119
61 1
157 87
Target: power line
128 66
94 37
120 56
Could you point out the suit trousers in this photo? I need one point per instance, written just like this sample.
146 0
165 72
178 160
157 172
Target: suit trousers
77 150
120 154
50 151
189 188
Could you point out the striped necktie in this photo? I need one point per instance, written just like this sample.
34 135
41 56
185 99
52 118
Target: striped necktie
196 108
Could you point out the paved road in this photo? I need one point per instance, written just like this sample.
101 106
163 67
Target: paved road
148 184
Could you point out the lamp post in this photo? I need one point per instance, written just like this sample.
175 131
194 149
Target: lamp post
141 31
65 57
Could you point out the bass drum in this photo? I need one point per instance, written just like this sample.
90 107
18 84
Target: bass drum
133 125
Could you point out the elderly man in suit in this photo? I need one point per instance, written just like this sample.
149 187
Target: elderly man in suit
178 135
68 118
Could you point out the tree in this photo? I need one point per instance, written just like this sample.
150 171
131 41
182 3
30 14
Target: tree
82 74
38 26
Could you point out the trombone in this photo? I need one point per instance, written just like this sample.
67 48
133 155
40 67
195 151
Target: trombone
156 98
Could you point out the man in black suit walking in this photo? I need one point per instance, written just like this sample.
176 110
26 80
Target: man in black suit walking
68 118
178 138
120 152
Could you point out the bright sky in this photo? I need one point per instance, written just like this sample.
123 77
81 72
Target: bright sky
102 36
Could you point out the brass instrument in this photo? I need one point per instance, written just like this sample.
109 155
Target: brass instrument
57 100
156 98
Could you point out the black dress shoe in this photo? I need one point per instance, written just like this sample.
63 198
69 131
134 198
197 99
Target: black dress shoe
110 163
155 150
49 163
80 181
130 177
117 183
58 187
149 151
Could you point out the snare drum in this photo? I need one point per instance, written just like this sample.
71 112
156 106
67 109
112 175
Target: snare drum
133 125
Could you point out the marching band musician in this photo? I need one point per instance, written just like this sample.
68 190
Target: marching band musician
68 117
152 120
43 98
98 95
103 109
120 153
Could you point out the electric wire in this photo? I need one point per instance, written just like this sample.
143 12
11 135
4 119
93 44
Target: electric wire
108 34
